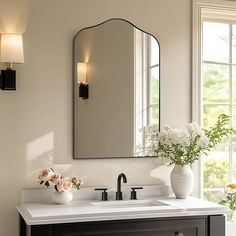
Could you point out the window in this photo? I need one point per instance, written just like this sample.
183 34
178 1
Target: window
218 79
214 89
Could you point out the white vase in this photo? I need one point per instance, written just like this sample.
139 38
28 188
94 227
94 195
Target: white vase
62 197
182 179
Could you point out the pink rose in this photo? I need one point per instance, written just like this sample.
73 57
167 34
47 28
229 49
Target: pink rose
46 175
55 178
65 184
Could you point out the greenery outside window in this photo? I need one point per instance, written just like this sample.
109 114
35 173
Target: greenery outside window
219 96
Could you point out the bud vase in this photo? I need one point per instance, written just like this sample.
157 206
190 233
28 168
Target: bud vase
230 216
62 197
182 179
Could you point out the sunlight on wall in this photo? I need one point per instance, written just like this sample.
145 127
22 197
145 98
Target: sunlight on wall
40 154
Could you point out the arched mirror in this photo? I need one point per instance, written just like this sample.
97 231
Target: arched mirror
116 90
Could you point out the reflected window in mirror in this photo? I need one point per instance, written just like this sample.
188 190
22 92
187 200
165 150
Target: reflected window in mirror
146 86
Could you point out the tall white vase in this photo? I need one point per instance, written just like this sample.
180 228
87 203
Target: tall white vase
182 179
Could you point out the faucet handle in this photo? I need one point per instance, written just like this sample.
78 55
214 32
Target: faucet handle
104 193
134 193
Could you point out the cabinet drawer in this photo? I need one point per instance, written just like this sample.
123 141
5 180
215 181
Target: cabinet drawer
192 227
184 232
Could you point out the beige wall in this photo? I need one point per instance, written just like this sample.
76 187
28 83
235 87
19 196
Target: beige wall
106 119
35 127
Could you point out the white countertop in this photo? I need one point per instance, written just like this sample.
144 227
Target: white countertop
82 211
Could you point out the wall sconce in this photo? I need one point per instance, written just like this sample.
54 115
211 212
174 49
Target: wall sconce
82 80
11 52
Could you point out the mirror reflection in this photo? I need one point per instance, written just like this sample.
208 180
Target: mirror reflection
116 90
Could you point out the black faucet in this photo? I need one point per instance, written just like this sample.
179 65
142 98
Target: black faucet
119 193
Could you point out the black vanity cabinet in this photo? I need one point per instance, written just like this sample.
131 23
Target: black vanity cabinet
176 226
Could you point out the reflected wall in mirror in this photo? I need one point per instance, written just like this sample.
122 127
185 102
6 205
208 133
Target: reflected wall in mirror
116 90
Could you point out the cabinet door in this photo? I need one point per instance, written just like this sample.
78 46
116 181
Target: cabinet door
193 227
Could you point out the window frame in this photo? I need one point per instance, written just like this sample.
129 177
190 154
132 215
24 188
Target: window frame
202 9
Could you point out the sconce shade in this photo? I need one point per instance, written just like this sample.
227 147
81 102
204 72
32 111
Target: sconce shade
81 72
12 48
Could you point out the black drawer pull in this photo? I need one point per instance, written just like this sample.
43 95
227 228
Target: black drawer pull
179 234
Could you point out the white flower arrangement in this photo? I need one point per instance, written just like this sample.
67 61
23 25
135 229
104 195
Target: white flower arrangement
61 184
184 146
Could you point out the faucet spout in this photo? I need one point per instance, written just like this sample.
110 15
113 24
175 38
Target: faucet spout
119 193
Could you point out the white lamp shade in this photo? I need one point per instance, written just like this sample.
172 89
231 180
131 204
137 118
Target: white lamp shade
81 72
12 48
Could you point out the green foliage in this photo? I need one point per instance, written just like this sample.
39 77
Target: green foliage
216 173
215 90
192 152
216 83
179 155
229 201
219 131
184 146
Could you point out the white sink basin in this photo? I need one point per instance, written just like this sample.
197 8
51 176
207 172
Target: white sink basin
130 204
